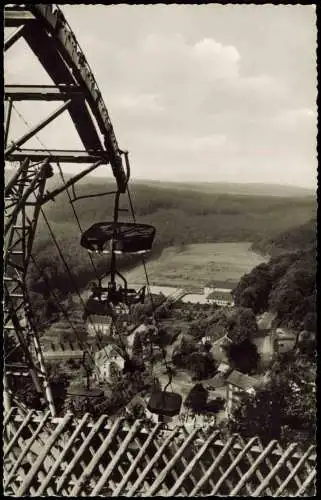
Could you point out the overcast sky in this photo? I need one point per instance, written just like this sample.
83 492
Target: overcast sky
197 92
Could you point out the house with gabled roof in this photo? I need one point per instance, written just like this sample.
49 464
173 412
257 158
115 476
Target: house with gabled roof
109 362
239 383
284 340
98 324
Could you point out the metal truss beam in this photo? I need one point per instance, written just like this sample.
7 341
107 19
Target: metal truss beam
8 111
42 173
13 38
51 195
55 22
64 156
42 92
14 17
20 229
37 128
45 49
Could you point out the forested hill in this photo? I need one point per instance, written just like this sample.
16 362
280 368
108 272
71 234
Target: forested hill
180 217
286 284
302 237
236 188
187 216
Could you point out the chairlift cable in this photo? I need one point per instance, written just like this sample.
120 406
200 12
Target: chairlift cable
57 302
63 259
62 178
70 275
168 369
76 217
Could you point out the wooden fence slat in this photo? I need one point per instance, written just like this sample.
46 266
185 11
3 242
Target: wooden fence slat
88 470
26 449
214 464
193 462
294 471
154 469
115 459
152 462
252 469
306 483
64 452
258 473
278 466
38 463
82 448
158 481
270 466
233 465
17 434
8 416
134 465
33 465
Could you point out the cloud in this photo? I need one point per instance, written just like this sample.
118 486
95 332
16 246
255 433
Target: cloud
187 91
138 102
172 56
192 144
293 117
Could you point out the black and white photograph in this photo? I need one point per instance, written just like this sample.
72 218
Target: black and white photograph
160 250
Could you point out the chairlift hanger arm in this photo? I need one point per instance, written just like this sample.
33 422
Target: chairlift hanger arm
51 195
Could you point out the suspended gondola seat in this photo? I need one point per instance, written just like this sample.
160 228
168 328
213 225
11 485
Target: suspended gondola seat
96 306
128 237
132 296
165 404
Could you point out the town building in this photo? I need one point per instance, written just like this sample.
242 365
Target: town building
238 384
215 285
284 340
109 363
97 324
265 322
221 297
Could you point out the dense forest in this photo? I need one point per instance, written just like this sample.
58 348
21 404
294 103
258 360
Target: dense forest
302 237
286 284
180 216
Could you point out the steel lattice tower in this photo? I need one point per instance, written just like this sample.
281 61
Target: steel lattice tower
50 38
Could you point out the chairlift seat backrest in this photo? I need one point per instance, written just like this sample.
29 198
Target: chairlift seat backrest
164 403
128 237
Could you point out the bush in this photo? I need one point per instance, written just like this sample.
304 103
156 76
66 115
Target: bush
243 356
197 398
215 405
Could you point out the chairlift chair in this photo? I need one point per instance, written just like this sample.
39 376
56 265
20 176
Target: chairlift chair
84 390
104 299
164 403
118 237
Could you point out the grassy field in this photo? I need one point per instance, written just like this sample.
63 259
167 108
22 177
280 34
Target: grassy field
194 265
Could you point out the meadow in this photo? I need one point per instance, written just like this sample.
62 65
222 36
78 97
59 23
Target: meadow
192 266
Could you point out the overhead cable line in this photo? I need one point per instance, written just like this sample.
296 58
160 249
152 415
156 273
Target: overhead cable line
56 299
48 225
64 183
168 369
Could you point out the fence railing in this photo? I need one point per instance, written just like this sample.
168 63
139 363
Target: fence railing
71 457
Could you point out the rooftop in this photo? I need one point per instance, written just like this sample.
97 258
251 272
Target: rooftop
285 334
264 321
102 320
215 382
220 293
242 380
110 351
229 284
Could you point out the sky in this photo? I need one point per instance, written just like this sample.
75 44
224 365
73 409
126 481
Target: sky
219 93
